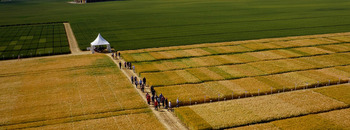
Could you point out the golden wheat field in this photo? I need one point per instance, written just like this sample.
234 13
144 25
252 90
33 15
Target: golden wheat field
337 119
229 70
70 92
277 80
259 109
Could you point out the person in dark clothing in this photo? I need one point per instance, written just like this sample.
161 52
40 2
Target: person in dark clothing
144 80
142 88
130 66
160 96
135 79
120 65
166 103
119 54
162 100
148 98
125 64
152 98
136 84
152 90
132 79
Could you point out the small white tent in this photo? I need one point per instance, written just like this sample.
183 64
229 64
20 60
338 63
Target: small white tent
100 41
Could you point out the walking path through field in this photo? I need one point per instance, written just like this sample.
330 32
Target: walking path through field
73 44
167 118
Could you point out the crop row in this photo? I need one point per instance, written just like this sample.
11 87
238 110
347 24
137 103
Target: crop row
229 49
253 69
252 86
264 108
215 60
33 40
336 119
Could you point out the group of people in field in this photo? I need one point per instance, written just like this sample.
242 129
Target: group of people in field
158 101
153 98
141 82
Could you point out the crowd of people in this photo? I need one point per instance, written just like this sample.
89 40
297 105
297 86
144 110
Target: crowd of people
153 98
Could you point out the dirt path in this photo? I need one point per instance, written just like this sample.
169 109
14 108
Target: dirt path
167 118
73 44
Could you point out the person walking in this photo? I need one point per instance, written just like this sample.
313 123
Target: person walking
140 82
160 95
155 98
166 103
152 90
144 80
132 79
133 69
148 98
158 100
156 106
143 88
177 102
169 108
152 98
112 55
163 101
120 65
119 55
125 64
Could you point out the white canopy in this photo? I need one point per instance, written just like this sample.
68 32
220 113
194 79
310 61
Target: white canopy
100 41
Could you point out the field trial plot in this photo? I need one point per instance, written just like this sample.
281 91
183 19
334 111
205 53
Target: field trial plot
260 109
337 119
203 72
33 40
70 92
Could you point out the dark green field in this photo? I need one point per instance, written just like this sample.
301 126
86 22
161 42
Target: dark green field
134 24
33 40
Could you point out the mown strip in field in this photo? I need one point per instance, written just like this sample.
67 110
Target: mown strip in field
261 109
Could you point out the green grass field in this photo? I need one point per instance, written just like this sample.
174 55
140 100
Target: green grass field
134 24
33 40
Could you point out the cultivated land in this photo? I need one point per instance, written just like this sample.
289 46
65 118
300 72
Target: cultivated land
33 40
70 92
250 70
274 107
338 119
137 24
203 72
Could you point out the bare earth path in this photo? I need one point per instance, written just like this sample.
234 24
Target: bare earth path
73 44
167 118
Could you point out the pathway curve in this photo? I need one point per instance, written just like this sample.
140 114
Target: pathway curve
167 118
73 44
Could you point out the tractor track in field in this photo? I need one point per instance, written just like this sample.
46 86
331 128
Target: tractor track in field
73 44
167 118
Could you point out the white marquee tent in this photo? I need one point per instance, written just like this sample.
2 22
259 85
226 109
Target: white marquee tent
100 41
